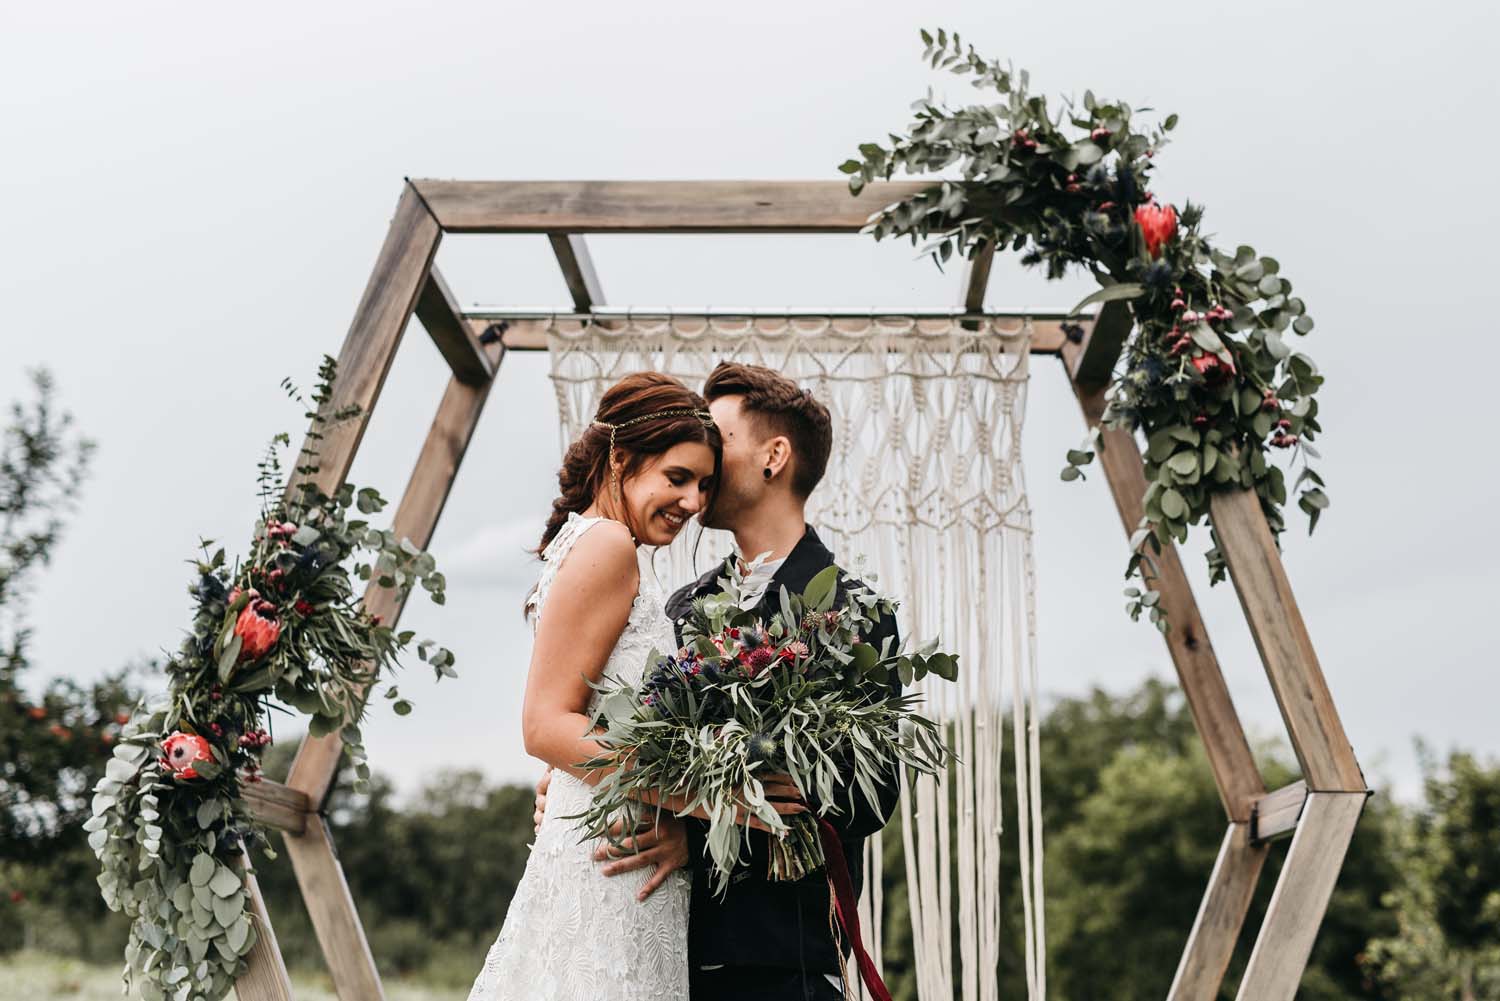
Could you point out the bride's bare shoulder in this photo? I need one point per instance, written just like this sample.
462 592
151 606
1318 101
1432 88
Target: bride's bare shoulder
602 559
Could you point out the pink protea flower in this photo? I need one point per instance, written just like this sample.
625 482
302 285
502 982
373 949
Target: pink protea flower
1213 367
235 592
257 629
183 750
1157 224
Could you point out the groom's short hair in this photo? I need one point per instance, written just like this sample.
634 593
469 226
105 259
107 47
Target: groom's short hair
779 406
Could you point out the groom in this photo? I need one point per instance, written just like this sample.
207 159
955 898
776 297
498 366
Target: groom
764 939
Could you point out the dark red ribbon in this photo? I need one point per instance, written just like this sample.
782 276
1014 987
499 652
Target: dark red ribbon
844 903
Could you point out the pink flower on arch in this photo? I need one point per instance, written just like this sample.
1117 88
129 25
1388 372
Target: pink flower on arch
257 630
183 750
1158 225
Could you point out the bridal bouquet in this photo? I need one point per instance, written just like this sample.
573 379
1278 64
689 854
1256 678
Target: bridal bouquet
798 692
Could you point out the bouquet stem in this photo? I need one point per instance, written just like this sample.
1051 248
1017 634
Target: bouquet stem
796 853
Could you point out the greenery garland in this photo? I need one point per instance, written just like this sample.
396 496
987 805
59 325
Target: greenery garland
169 822
1207 373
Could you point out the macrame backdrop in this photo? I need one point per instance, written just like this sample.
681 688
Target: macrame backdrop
925 486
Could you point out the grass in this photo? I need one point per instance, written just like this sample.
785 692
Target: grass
30 975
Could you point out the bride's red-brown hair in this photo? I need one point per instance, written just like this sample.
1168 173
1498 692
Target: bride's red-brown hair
585 467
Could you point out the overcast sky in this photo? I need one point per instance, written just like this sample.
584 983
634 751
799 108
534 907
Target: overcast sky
193 197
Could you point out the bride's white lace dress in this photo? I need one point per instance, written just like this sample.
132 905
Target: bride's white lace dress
572 933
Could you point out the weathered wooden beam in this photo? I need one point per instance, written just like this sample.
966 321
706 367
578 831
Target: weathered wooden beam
373 337
530 334
974 279
1198 671
1301 896
977 278
443 318
335 921
1286 650
277 805
416 518
1221 917
1094 361
265 977
1277 813
578 270
658 206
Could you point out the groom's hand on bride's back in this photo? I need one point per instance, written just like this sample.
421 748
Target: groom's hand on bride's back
665 846
541 799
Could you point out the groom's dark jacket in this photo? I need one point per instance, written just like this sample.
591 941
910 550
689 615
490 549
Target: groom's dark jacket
760 922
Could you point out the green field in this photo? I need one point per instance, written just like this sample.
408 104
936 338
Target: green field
32 976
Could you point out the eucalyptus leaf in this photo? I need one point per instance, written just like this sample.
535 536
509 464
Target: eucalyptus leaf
1110 293
224 882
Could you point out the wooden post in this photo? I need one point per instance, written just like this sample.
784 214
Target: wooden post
1296 911
1328 762
578 270
335 920
1235 772
658 206
265 979
416 518
441 315
369 347
1220 917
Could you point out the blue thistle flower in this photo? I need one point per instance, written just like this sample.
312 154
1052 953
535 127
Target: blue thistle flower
1158 276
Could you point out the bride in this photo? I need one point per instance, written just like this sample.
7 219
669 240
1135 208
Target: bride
647 463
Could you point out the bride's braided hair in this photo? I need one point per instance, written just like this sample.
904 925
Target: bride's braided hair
643 415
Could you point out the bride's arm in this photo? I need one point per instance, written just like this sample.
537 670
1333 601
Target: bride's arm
587 606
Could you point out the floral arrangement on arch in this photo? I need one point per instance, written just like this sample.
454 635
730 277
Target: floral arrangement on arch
1207 373
169 824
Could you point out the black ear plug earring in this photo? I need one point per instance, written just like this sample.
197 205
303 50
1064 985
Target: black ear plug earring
767 472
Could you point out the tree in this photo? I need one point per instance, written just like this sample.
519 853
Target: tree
1132 824
1447 902
52 747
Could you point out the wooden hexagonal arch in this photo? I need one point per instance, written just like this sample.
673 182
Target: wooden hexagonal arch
1319 812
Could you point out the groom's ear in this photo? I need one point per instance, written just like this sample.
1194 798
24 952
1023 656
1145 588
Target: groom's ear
778 451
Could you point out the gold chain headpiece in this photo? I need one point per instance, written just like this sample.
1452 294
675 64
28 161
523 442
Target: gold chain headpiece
704 417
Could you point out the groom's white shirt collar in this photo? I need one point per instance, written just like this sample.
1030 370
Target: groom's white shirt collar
758 580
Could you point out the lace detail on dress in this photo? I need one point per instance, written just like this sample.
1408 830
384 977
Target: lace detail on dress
571 933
